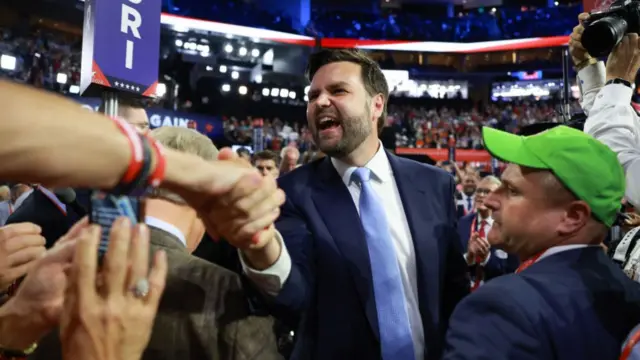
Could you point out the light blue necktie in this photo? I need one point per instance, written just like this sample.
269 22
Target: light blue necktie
393 318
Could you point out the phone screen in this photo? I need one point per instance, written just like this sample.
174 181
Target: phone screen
106 208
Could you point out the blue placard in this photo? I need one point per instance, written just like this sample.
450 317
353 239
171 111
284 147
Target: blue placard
121 46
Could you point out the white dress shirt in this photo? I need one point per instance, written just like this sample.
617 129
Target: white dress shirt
562 248
468 202
613 121
165 226
384 185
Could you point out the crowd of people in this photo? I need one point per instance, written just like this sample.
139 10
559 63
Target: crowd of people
346 251
415 127
487 25
41 55
483 24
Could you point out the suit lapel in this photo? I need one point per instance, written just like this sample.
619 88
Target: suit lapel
339 213
418 207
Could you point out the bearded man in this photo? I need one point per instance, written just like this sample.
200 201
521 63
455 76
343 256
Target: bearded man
367 254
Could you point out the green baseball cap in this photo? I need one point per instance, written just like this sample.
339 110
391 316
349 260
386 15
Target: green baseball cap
583 164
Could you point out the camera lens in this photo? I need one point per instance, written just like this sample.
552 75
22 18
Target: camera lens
601 36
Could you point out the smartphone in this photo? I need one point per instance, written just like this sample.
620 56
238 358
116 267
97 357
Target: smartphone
106 208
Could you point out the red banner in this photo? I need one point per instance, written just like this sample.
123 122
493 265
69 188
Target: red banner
443 154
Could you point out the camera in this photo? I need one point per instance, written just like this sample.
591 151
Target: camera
605 29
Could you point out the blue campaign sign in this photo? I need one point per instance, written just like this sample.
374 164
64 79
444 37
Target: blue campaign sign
207 125
121 46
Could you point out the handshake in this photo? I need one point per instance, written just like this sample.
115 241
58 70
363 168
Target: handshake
235 202
65 287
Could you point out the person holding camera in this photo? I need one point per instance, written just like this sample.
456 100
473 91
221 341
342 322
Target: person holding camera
606 93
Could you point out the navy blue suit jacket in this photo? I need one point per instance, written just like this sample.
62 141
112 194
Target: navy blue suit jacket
37 208
496 266
330 283
575 304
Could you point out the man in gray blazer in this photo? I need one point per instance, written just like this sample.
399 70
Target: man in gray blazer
204 312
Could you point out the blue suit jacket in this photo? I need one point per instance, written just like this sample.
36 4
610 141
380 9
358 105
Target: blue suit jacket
575 304
496 266
330 283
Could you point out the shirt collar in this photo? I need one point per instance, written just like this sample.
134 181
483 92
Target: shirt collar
165 226
378 165
21 199
562 248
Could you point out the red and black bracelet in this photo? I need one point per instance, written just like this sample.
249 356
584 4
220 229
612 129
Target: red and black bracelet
136 161
157 176
139 175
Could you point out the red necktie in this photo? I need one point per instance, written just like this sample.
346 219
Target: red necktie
479 268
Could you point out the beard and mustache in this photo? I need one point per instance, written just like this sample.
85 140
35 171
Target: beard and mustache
355 130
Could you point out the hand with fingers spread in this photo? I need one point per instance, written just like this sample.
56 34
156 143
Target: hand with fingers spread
20 246
37 304
112 322
578 53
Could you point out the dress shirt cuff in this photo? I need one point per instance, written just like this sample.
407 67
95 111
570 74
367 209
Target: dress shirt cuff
614 94
272 279
592 77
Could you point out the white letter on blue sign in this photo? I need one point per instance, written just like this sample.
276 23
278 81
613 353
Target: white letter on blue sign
130 20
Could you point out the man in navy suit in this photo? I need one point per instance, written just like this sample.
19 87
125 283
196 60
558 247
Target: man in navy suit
567 300
465 199
368 257
485 262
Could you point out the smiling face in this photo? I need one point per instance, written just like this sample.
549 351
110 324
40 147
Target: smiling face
340 113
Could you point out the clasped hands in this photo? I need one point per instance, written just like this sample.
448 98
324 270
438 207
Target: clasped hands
477 249
240 205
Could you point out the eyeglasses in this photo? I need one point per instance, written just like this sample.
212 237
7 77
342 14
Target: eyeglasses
483 191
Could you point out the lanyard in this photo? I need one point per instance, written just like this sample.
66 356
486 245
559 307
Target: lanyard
54 199
628 347
525 264
474 225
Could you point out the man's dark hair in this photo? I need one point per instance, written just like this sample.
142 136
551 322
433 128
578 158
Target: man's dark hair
266 155
128 102
372 76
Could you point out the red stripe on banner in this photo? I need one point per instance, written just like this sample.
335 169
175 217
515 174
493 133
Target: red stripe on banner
443 154
464 48
303 42
545 42
151 90
354 43
98 76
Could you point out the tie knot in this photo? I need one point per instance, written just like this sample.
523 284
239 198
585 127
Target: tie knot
361 175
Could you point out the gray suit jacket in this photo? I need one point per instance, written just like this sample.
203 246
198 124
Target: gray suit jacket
203 314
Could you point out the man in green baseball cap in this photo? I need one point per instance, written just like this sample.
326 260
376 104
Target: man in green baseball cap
559 195
565 171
